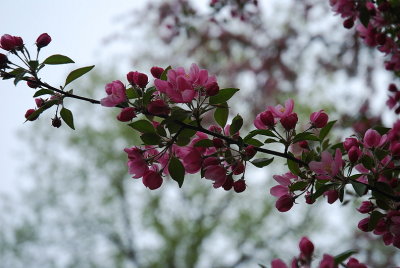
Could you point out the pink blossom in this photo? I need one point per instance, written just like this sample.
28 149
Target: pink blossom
319 119
152 179
217 174
264 120
279 111
346 8
116 94
329 167
137 79
192 161
373 139
368 34
289 122
137 165
182 87
350 142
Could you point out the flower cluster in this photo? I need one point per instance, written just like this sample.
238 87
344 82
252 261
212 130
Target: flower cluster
306 256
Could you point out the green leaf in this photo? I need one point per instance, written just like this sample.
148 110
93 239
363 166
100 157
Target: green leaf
293 167
68 118
57 59
236 125
298 186
33 64
322 188
305 136
150 138
364 15
382 130
204 143
264 132
164 74
148 95
75 74
143 126
367 162
223 95
326 129
176 170
359 188
221 115
254 142
344 256
262 162
131 93
374 219
43 91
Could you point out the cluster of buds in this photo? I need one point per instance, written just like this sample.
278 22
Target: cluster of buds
306 256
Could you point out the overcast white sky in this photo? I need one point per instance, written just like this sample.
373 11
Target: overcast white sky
77 28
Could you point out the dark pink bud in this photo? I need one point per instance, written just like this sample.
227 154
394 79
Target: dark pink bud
380 39
348 23
284 203
363 225
303 144
349 143
212 89
156 72
392 88
366 207
137 79
354 154
39 102
218 143
306 247
43 40
152 180
354 263
239 186
228 184
238 168
215 129
3 61
9 43
289 122
395 148
250 151
319 119
158 107
309 199
126 114
267 118
29 113
31 82
56 122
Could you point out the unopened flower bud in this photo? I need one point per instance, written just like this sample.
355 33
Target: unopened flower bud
31 82
39 102
250 151
158 107
306 247
9 43
289 122
218 143
354 154
137 79
363 224
56 122
156 72
332 195
212 89
43 40
267 118
126 114
350 142
239 186
366 207
319 119
348 23
284 203
228 184
392 88
28 115
3 61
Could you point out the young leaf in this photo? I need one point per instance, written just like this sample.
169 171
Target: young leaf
343 256
221 115
223 95
75 74
143 126
131 93
293 167
325 130
237 123
58 59
254 142
43 91
374 219
262 162
150 138
359 188
305 136
164 74
68 118
176 170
